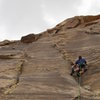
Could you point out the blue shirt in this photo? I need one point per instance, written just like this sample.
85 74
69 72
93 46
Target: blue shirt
80 61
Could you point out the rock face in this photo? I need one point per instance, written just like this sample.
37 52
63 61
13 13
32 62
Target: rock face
41 69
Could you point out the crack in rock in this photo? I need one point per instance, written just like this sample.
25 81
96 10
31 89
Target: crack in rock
10 88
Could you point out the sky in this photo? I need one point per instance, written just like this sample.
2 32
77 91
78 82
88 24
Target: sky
22 17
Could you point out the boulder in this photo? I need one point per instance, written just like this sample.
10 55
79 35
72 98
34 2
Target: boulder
28 38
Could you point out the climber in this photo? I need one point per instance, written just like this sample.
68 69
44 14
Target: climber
79 66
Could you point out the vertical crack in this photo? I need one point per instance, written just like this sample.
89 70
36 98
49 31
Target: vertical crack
9 89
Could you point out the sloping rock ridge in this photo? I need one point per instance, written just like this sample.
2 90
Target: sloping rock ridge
38 67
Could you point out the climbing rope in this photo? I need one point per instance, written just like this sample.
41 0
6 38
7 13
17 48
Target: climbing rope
79 83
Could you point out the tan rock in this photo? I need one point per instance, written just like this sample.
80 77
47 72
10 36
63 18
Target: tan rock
41 70
6 42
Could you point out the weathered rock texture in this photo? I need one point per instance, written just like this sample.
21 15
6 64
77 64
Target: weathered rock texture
40 70
6 42
29 38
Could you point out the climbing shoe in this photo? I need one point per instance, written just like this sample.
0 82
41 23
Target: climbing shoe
78 74
71 74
